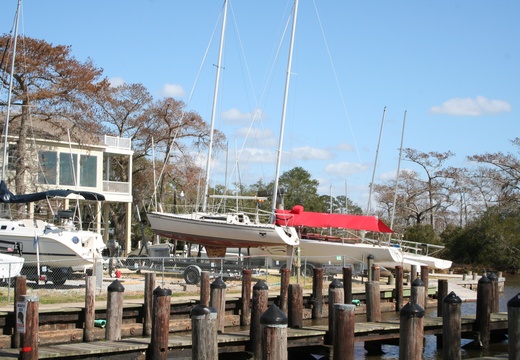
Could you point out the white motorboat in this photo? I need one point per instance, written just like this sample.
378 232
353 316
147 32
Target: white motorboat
11 260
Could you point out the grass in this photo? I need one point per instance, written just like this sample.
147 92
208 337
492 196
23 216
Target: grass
49 295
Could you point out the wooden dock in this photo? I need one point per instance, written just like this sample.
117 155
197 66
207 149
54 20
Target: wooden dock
234 340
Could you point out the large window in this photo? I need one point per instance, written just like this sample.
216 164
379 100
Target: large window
47 168
88 170
68 168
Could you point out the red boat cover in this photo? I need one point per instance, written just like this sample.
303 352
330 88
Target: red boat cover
298 217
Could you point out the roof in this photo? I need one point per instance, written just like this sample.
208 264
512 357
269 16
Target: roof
298 217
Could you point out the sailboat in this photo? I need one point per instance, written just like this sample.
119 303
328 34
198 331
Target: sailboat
48 247
218 231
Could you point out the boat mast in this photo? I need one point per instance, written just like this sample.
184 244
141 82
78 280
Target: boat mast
397 176
9 94
375 164
214 109
284 111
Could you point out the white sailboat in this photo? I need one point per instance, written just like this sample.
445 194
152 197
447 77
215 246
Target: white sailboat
218 231
46 245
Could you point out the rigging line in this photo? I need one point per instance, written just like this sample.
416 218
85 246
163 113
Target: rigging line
336 80
270 78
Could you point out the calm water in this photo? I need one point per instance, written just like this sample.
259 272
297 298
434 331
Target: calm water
512 288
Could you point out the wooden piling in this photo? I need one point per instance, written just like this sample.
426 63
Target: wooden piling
442 292
411 332
347 284
90 308
295 306
29 340
376 273
285 279
373 301
20 289
483 315
115 294
204 288
413 273
494 292
204 333
245 300
218 301
317 293
451 326
158 349
336 296
149 287
370 261
417 292
425 272
259 306
343 337
513 327
274 334
399 274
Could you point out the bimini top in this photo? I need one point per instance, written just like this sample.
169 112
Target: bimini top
7 196
298 217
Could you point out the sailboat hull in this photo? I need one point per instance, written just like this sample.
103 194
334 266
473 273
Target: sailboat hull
52 246
200 229
334 253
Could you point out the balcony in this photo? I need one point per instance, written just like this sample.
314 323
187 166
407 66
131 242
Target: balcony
116 187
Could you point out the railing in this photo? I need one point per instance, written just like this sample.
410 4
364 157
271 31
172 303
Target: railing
116 187
118 142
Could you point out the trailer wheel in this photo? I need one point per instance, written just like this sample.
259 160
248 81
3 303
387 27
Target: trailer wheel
307 270
192 275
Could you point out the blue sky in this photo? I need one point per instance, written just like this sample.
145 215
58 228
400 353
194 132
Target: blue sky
454 66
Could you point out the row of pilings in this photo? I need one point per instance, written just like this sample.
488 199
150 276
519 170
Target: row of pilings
269 324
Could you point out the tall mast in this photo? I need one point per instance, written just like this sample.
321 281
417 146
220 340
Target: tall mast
9 94
397 176
284 110
214 109
369 205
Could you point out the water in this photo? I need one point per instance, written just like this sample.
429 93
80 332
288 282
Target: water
512 288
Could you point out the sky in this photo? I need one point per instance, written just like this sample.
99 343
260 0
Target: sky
452 66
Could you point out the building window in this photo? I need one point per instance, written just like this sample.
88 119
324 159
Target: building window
88 170
48 167
68 169
12 156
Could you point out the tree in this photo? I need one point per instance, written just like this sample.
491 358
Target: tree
431 163
506 174
51 85
300 189
490 241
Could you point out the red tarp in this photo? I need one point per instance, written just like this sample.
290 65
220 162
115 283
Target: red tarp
298 217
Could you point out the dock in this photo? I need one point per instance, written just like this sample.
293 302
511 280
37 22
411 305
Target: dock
234 340
61 327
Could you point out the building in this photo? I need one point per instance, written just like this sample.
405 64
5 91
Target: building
55 162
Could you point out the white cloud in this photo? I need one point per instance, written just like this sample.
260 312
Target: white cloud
310 153
116 81
234 115
345 169
471 106
345 147
257 133
172 90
